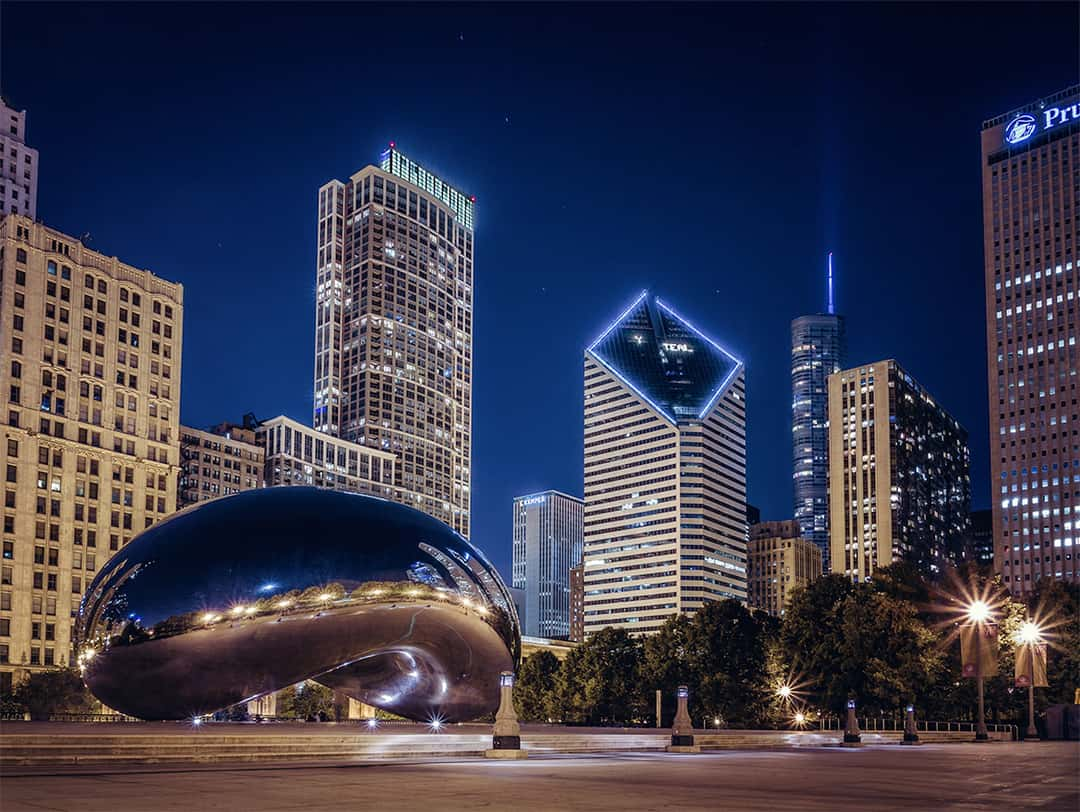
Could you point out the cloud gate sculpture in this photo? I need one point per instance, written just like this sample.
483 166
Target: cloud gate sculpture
242 596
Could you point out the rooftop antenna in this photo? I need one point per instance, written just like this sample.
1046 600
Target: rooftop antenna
828 289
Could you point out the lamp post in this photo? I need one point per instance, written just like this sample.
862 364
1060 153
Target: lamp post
979 614
1030 636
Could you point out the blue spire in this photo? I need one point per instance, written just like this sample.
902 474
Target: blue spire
829 289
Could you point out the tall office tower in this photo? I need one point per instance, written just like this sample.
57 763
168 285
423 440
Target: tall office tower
90 372
224 460
577 604
818 349
547 543
18 165
1030 176
979 545
299 455
778 561
394 326
665 471
899 487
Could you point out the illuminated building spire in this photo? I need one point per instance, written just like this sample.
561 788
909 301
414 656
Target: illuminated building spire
829 308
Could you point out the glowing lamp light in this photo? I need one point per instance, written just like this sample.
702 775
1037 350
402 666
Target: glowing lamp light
250 610
372 724
284 604
209 617
784 692
196 721
1029 634
435 724
238 610
978 611
800 718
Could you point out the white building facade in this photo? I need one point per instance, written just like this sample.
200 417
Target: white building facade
18 165
665 471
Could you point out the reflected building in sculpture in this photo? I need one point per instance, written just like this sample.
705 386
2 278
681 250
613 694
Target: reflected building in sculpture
241 596
665 471
818 349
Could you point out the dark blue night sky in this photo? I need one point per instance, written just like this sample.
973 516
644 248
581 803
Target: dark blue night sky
710 153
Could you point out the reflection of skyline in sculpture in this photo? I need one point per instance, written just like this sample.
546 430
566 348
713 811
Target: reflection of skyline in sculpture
242 596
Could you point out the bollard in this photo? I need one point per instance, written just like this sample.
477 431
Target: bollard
911 733
852 736
506 737
682 728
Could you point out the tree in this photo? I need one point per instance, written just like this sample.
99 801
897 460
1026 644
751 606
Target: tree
533 686
665 666
1056 606
60 690
811 636
598 681
860 640
727 656
307 701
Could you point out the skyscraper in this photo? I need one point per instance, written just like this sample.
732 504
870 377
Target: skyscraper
219 462
547 543
818 349
1030 207
778 561
899 487
665 471
90 371
393 327
18 165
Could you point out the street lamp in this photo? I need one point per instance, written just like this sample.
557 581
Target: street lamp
1030 635
784 692
979 614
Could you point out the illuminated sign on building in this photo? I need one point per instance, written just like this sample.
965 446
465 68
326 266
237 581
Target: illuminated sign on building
533 500
1025 125
670 346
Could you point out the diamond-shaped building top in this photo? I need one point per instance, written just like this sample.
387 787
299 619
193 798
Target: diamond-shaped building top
670 363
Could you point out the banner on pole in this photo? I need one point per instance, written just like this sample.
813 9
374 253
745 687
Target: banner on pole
1031 661
979 642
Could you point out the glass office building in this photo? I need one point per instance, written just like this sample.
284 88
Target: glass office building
547 545
818 349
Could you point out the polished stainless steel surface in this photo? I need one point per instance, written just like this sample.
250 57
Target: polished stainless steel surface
245 595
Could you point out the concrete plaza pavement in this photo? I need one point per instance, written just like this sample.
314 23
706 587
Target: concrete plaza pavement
1005 776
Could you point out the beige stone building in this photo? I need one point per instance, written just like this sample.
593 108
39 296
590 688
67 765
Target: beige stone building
301 455
223 460
778 561
90 378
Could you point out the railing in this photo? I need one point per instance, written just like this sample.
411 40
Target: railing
872 724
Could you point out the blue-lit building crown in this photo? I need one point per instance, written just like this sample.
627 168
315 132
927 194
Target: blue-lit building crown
671 364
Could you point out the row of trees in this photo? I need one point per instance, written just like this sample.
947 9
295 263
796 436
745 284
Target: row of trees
886 643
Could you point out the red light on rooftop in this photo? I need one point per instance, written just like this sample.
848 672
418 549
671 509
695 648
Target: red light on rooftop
472 198
392 145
